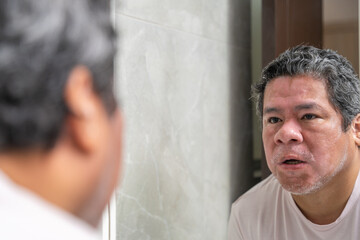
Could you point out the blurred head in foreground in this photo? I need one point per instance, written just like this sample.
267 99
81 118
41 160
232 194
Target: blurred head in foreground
60 129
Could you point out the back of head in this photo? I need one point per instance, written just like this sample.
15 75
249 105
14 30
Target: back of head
40 42
343 85
60 129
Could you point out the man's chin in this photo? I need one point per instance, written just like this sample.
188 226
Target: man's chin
300 187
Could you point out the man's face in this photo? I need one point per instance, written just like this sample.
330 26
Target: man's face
304 143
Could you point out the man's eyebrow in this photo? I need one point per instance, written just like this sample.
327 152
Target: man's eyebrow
308 106
268 110
305 106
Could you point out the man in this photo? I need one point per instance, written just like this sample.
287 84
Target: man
309 103
59 124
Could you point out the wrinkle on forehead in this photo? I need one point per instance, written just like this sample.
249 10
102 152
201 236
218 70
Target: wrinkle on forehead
290 85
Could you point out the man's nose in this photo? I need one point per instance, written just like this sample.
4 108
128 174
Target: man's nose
289 132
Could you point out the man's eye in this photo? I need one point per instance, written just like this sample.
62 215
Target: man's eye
273 120
308 116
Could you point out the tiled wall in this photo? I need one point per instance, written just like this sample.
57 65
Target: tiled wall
178 65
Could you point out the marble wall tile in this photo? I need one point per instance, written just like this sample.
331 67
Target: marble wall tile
175 89
183 73
207 18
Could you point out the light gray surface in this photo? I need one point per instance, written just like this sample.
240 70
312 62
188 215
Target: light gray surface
207 18
174 72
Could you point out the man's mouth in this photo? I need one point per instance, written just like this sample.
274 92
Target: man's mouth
292 161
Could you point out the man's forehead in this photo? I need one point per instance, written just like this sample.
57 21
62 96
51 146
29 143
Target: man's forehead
298 92
288 86
293 83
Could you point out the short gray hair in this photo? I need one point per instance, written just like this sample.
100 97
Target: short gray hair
40 42
342 82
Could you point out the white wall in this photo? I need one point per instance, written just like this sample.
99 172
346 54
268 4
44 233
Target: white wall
175 77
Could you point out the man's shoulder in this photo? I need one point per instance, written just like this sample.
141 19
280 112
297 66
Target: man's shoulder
260 201
268 189
252 214
27 216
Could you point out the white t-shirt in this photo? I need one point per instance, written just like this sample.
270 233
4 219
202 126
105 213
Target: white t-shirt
267 211
24 215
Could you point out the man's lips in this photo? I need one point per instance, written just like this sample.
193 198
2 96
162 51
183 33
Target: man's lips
292 160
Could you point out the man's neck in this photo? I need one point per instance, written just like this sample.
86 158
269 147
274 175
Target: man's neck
38 172
326 205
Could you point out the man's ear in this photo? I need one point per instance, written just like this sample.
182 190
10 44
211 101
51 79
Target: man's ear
84 106
355 125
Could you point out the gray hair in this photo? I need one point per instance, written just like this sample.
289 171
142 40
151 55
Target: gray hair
342 82
40 42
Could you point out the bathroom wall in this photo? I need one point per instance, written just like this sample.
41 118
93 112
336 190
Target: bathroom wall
183 77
